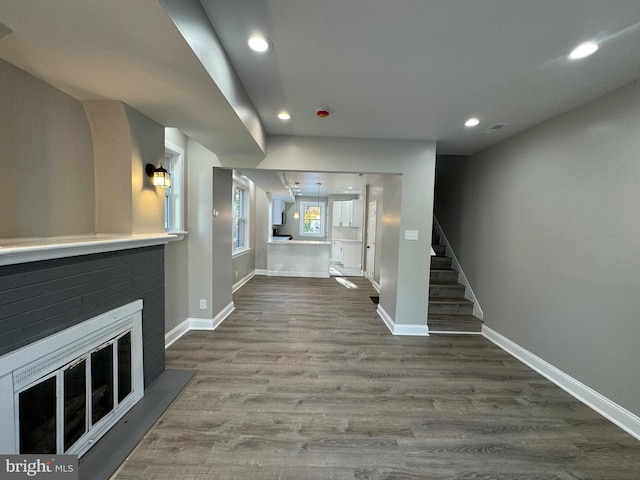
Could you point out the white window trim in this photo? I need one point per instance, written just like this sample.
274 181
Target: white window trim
323 216
176 196
247 188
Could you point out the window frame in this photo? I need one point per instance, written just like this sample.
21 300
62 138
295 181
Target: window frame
174 196
323 219
245 216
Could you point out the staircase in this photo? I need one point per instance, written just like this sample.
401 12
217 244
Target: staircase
449 311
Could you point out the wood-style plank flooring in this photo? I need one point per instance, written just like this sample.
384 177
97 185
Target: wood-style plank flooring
304 382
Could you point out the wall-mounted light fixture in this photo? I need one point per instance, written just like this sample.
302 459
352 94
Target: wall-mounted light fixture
161 178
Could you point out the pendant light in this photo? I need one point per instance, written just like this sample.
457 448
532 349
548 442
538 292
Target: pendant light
296 214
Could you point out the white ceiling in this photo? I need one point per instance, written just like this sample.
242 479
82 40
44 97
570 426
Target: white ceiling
417 69
282 184
401 69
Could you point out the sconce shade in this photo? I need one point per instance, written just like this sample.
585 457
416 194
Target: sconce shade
296 214
161 177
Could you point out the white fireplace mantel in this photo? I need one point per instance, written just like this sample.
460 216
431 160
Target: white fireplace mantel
14 251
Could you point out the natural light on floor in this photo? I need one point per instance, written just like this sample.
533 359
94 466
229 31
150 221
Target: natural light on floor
346 282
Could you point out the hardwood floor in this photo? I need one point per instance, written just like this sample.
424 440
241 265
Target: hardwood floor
303 381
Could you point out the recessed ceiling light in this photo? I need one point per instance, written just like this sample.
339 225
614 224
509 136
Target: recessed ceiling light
259 43
472 122
284 115
583 50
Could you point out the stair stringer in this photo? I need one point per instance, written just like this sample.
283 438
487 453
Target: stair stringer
462 279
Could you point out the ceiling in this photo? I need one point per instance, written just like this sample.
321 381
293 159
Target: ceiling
402 69
417 69
288 184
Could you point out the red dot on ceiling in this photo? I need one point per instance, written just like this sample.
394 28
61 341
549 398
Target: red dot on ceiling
322 113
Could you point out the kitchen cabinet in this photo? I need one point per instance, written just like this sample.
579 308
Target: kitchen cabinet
336 219
336 251
352 254
347 213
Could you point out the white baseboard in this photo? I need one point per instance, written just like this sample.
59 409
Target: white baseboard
197 324
402 329
374 284
453 332
175 333
275 273
620 416
236 286
261 271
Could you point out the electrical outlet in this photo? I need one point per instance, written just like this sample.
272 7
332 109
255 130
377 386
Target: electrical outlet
203 304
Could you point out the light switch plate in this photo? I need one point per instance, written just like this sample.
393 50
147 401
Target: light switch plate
411 234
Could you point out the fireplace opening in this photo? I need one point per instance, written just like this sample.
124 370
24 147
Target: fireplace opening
38 418
75 403
69 389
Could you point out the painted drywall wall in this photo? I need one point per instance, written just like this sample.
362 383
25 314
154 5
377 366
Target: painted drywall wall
416 161
199 220
262 228
111 141
147 146
375 192
390 242
46 159
546 228
222 239
124 141
176 256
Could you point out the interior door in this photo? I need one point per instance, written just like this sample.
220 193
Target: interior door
371 238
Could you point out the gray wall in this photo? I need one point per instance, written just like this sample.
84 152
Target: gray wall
200 226
546 228
222 239
261 224
46 159
390 239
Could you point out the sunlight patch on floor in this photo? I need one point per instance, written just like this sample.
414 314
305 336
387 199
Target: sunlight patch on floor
345 282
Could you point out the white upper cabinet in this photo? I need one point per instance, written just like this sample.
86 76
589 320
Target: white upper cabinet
347 213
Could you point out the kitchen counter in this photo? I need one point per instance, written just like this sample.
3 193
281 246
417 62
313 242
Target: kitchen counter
298 258
299 242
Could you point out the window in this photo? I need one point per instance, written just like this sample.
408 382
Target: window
173 197
241 197
312 219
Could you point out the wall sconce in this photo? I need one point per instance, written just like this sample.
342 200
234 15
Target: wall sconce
161 178
296 214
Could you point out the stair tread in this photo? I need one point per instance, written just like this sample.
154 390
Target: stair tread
450 300
453 316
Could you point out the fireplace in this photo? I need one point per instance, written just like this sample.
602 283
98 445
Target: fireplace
67 390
